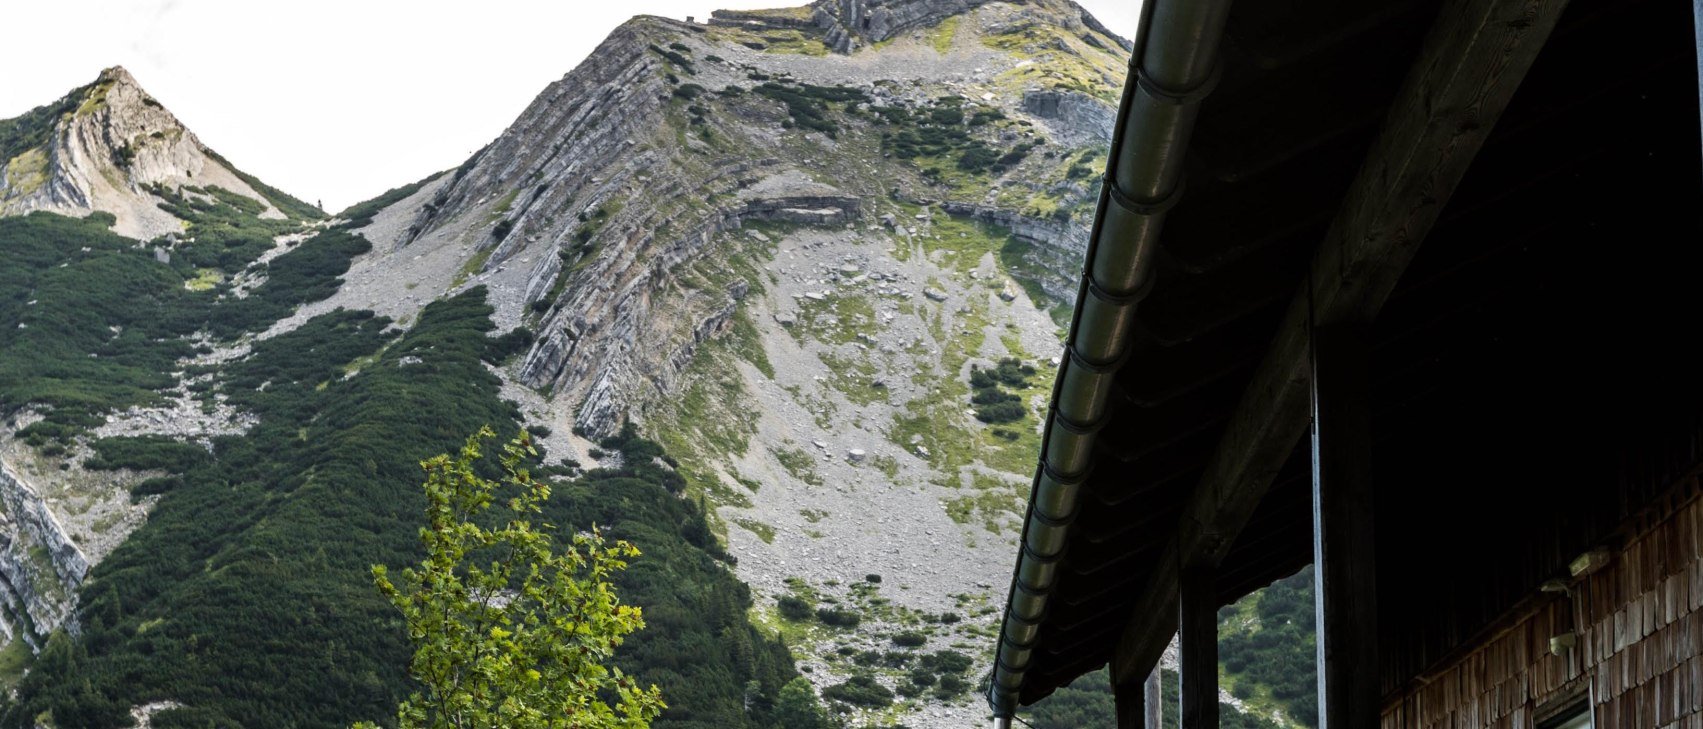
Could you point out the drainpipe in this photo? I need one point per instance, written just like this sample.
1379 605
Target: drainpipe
1174 66
1697 27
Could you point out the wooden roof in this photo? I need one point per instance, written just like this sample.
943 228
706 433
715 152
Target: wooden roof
1533 381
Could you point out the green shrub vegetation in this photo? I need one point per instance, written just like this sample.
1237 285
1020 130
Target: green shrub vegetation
91 323
860 690
88 322
247 588
361 214
944 131
838 617
675 57
1274 652
1087 701
808 104
290 206
145 452
225 231
794 608
992 403
31 129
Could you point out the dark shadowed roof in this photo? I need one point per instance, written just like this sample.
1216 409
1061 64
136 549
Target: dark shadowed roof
1532 377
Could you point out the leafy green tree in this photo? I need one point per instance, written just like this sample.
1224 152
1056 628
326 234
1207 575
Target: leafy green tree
509 633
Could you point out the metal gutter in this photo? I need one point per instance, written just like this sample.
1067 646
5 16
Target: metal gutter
1173 67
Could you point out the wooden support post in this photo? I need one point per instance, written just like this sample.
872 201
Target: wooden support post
1155 700
1197 620
1344 570
1140 705
1132 705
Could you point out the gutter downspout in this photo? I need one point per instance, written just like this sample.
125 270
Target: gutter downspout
1174 66
1697 28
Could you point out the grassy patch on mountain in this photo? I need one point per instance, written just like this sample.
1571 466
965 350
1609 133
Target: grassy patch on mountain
772 40
1061 61
707 420
941 35
26 172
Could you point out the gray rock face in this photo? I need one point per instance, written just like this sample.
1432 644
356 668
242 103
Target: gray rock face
1059 249
581 341
40 567
590 205
761 19
853 23
1073 117
104 155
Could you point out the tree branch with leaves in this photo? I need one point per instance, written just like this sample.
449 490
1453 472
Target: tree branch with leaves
508 632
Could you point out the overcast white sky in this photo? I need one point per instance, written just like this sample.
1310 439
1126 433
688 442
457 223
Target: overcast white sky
335 100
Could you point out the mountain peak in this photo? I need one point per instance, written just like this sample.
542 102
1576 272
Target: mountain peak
116 75
103 147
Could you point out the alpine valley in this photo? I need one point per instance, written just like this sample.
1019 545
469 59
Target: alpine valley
780 295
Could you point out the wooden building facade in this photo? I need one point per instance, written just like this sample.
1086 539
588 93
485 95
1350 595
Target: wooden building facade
1635 628
1412 291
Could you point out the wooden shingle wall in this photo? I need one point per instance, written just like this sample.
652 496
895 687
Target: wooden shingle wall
1640 636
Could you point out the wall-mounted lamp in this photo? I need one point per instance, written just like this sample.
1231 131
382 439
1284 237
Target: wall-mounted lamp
1560 644
1589 562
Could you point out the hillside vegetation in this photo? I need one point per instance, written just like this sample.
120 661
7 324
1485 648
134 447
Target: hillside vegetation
248 588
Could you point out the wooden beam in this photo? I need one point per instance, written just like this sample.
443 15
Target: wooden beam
1474 58
1140 706
1197 638
1132 706
1344 566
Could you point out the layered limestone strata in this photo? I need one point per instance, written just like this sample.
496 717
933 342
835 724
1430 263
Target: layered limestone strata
40 567
850 24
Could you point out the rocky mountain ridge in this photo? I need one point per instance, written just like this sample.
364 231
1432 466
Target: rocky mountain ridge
820 254
786 263
101 148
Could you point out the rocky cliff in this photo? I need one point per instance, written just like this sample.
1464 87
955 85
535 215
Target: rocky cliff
106 147
821 254
786 263
100 148
791 245
853 23
40 567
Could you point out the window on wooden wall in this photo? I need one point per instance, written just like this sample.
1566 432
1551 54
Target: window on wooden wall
1578 717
